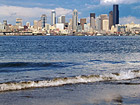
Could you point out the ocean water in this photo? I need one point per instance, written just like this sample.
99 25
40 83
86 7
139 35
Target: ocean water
69 70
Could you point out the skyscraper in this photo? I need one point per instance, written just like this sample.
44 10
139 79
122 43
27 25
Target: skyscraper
74 19
92 20
98 23
59 19
83 21
53 17
43 20
105 25
115 14
63 19
103 17
110 19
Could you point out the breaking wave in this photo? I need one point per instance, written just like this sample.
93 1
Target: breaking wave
69 80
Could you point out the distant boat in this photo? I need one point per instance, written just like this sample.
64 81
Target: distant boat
99 34
48 34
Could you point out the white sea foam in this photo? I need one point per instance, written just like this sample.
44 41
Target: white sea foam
69 80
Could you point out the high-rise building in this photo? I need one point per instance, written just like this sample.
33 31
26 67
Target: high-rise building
43 20
82 22
110 19
74 19
53 17
63 19
98 23
18 22
59 20
103 17
105 25
92 20
115 14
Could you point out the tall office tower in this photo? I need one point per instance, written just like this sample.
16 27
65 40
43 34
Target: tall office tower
74 19
18 22
92 20
115 14
82 22
59 20
53 17
110 19
63 19
98 23
43 20
103 17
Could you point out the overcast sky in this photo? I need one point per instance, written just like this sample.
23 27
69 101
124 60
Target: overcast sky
30 10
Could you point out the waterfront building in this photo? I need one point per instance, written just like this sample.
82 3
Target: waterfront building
110 19
18 22
60 26
115 14
86 27
82 22
47 26
53 17
74 20
43 20
92 20
79 28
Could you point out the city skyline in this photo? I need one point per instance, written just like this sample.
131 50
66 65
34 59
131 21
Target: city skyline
32 10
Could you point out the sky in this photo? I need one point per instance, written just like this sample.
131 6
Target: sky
30 10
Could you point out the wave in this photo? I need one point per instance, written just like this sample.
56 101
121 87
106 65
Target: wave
32 64
69 80
115 62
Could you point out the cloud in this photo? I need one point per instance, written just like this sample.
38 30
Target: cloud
129 19
109 2
31 12
89 6
12 12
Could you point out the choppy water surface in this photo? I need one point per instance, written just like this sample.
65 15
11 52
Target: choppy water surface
108 65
